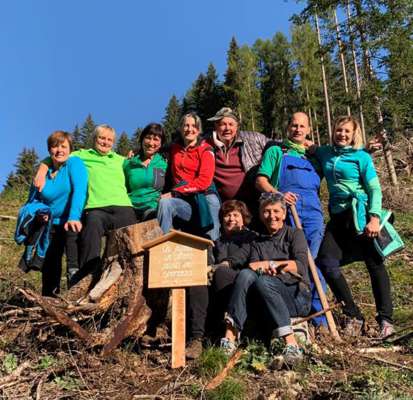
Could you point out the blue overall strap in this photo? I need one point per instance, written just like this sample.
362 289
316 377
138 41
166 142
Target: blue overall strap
298 175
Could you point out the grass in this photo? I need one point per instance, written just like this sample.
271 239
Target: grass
230 389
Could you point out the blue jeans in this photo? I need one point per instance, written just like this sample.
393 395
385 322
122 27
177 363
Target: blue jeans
282 301
172 208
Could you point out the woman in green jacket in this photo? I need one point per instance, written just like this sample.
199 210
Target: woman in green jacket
145 172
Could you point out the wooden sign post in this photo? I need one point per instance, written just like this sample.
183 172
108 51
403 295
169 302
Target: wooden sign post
177 260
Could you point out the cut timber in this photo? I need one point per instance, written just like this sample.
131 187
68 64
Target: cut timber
178 328
109 277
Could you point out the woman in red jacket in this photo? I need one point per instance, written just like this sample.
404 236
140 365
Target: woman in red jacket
193 196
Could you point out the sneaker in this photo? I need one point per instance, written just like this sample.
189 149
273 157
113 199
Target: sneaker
194 349
353 327
292 355
386 329
228 346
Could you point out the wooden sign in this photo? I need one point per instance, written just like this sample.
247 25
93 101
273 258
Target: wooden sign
177 260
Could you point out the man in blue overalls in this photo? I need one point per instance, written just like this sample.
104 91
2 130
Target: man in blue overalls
286 169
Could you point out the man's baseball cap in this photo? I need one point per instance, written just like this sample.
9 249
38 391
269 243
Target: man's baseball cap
224 112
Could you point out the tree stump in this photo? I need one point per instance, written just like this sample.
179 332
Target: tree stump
116 295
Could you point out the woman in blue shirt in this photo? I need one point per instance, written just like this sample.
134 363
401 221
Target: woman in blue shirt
65 193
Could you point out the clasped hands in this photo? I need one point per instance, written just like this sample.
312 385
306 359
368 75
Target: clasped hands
271 268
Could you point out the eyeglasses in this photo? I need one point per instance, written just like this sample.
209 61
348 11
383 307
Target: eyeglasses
277 196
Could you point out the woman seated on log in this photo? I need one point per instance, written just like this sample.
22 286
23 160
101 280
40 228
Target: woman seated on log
108 205
231 251
230 255
145 172
355 198
64 193
193 196
278 271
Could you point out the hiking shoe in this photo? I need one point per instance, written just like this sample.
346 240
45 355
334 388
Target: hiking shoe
292 355
228 346
353 327
386 329
194 349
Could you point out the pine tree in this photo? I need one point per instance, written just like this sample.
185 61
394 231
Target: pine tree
135 138
26 166
249 101
233 79
304 49
123 145
172 117
86 133
77 139
276 83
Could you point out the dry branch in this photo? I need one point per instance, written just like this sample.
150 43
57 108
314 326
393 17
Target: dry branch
224 373
59 316
14 375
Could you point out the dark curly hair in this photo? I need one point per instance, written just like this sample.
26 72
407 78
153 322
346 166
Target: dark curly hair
235 205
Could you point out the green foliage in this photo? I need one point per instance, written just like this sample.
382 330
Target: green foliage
46 361
205 96
77 138
26 166
123 145
10 363
276 78
230 389
211 361
87 133
193 390
67 382
172 118
255 358
135 138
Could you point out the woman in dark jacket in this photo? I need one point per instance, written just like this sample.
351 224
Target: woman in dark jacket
230 254
278 270
232 249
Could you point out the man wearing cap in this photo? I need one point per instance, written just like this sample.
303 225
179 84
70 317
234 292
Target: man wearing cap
236 154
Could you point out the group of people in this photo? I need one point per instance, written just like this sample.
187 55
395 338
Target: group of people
215 185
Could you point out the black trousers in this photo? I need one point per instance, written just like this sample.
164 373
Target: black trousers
209 302
96 223
341 245
60 241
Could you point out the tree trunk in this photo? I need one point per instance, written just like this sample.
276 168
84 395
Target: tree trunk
343 63
356 72
371 77
323 72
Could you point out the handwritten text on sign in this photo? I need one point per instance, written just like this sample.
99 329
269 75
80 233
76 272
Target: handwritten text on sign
177 263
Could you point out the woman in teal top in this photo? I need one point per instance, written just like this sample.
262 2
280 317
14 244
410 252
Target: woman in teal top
145 172
355 208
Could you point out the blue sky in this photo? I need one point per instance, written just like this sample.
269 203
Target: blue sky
120 60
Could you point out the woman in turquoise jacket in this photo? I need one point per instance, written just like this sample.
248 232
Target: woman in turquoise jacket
65 193
355 207
145 172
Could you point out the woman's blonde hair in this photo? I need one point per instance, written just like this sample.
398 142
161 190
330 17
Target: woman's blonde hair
357 141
